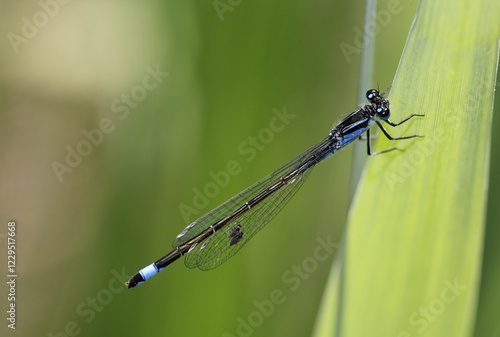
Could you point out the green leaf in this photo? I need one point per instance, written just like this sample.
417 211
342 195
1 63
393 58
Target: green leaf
413 249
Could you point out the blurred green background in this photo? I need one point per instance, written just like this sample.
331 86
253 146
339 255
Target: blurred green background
68 69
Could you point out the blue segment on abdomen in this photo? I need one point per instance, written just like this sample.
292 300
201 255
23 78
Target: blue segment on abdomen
352 136
148 272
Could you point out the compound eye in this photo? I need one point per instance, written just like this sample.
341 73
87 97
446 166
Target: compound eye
383 112
372 95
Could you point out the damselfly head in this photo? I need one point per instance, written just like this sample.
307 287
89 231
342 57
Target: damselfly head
373 96
383 112
379 103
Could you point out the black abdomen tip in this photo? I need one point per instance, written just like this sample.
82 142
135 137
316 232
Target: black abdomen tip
134 281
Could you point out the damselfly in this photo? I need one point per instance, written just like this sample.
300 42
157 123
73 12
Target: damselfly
215 237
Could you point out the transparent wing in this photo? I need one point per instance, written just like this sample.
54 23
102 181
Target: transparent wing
216 249
198 226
